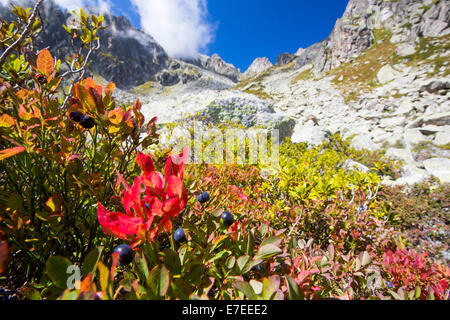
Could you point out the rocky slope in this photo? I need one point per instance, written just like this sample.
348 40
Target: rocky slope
381 78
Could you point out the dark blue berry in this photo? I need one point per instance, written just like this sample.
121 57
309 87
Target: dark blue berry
41 79
227 218
203 197
389 284
87 122
76 116
179 235
126 254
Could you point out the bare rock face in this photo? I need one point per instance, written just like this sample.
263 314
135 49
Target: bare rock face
258 66
406 20
284 59
216 64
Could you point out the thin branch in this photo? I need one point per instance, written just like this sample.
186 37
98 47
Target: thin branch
81 70
353 195
296 223
24 33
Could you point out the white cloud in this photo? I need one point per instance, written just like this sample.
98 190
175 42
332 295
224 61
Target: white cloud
70 5
180 26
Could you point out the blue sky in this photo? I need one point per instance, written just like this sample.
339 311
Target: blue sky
246 29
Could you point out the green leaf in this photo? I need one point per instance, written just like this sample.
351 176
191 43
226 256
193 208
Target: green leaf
158 282
57 270
90 262
357 263
181 289
295 293
141 266
249 244
242 262
270 287
267 251
220 255
194 275
231 261
150 254
172 262
164 281
276 241
246 289
417 293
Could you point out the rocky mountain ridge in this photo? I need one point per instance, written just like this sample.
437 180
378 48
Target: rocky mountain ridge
381 79
127 56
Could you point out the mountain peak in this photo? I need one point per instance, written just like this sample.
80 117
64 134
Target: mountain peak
259 65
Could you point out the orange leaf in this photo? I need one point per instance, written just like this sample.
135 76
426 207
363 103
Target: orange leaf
110 88
116 116
24 114
87 284
10 152
90 83
86 98
45 63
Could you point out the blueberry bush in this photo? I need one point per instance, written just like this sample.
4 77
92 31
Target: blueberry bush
81 194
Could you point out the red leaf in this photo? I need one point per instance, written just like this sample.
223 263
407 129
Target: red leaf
117 224
172 207
174 187
175 164
154 185
4 253
145 162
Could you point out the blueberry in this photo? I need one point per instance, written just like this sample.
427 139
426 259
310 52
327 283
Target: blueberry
126 254
41 79
76 116
227 218
203 197
389 284
179 235
87 122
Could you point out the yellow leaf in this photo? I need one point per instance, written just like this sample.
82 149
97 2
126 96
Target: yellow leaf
54 204
6 121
